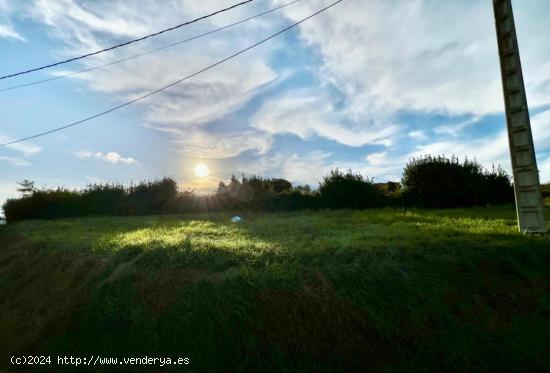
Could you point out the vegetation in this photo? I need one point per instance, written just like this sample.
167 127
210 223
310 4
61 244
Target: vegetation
380 290
154 197
26 187
433 182
349 190
546 190
441 182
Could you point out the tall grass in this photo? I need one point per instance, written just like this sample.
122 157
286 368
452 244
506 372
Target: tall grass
331 291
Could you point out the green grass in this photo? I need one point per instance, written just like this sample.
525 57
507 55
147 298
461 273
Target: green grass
379 290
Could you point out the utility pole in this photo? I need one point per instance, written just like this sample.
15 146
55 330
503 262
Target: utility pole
529 203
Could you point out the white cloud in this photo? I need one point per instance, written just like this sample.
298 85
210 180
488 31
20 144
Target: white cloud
184 109
388 165
310 167
7 31
7 190
227 144
455 129
491 149
383 57
418 135
15 161
544 169
111 157
25 147
423 55
305 114
209 97
487 150
377 159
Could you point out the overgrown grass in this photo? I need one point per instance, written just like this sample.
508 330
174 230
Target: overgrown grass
378 290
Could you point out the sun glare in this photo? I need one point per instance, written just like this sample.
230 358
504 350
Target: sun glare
201 170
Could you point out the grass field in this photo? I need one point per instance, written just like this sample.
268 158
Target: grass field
379 290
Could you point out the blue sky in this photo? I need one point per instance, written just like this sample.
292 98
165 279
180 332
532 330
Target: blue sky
367 85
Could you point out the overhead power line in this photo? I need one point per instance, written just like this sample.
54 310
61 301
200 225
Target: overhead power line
147 52
175 82
125 43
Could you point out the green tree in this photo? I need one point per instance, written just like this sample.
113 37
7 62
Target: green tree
26 187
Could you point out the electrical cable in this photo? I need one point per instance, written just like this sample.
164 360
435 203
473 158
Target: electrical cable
175 82
146 52
125 43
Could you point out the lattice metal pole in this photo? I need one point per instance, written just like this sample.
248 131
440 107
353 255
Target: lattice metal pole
529 203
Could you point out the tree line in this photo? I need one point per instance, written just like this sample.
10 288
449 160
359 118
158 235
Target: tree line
427 182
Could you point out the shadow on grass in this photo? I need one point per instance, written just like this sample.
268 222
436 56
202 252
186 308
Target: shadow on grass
343 291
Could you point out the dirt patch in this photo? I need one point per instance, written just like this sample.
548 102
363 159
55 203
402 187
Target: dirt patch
314 323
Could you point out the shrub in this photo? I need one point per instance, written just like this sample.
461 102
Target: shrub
292 200
427 181
440 182
250 193
44 205
107 199
154 197
280 185
349 190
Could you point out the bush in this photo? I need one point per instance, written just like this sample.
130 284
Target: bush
440 182
250 193
108 199
152 197
43 205
156 197
427 182
280 185
293 200
349 190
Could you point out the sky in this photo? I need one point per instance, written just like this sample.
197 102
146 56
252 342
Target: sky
366 85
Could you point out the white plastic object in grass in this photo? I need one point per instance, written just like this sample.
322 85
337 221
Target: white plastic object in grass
236 219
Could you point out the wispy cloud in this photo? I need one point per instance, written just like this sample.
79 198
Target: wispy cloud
15 161
306 114
111 157
419 55
185 109
418 135
376 159
7 31
367 63
25 147
454 129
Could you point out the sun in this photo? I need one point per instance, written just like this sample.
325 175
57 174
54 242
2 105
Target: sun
201 170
